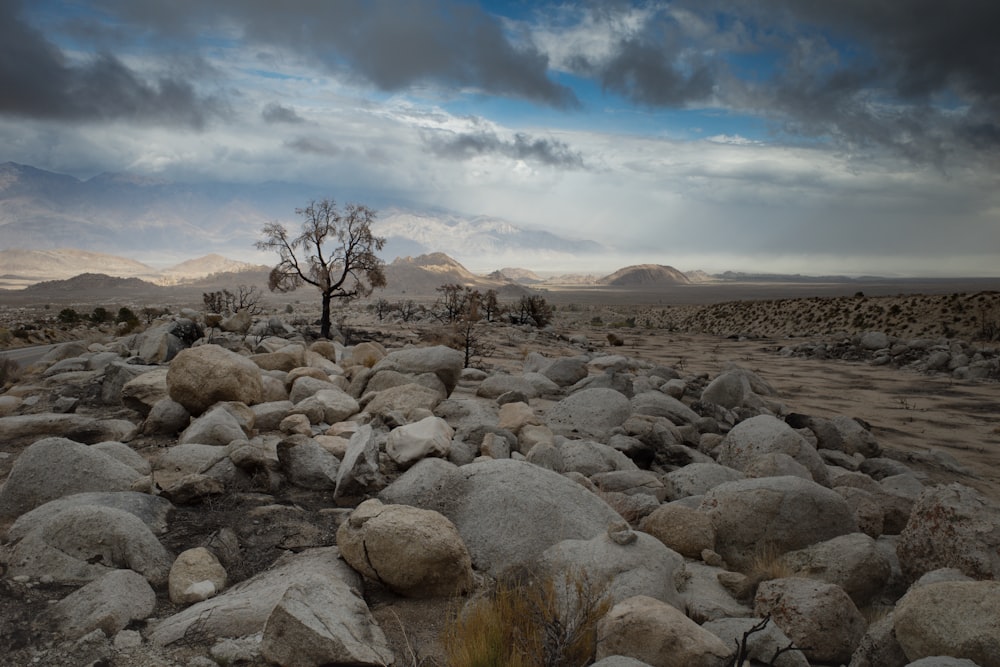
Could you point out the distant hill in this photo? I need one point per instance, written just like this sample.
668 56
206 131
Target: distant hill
92 284
522 276
422 275
645 275
37 265
201 267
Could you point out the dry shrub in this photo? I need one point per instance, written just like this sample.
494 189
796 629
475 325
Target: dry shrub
549 621
767 564
10 371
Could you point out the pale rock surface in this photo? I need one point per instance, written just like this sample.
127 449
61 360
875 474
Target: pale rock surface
590 458
508 512
813 614
590 413
952 526
125 454
685 530
441 360
658 634
781 513
324 622
80 428
627 563
960 619
308 464
854 562
696 479
705 598
515 416
358 473
407 399
305 386
741 388
200 377
191 567
500 383
244 608
658 404
143 391
268 415
566 371
80 544
183 460
108 603
216 426
166 417
765 434
55 467
414 552
410 443
152 510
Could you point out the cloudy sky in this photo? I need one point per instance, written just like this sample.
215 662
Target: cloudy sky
813 136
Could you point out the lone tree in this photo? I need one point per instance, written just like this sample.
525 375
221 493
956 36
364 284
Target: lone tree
335 253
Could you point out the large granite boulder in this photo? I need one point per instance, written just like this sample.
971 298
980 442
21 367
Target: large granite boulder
762 435
589 413
508 512
441 360
200 377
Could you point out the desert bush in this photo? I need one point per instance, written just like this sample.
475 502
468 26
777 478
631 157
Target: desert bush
529 622
534 310
10 371
68 316
245 298
100 315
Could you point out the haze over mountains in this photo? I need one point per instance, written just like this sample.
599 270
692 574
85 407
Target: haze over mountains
159 222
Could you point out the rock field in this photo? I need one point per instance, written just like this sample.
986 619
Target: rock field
265 498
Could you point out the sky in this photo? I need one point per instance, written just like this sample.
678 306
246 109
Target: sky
796 136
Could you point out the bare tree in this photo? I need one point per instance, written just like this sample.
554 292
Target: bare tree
335 253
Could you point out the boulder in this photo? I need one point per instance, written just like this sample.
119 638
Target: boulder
217 426
193 567
414 552
764 434
143 391
117 375
166 417
566 371
508 512
80 544
441 360
109 603
200 377
308 464
55 467
814 615
590 458
409 443
705 598
323 621
740 388
685 530
590 413
696 479
960 619
658 634
407 399
81 428
854 562
620 562
151 510
192 459
952 526
500 383
244 608
358 473
781 513
658 404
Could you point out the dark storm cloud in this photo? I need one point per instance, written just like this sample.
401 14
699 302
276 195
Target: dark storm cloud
394 44
36 80
275 113
919 76
651 67
549 152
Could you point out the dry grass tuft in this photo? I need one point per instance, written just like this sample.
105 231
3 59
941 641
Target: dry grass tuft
767 564
529 622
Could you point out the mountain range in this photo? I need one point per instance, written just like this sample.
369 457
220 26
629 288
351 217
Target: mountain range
155 221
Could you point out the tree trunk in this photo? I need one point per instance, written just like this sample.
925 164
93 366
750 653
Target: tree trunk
324 320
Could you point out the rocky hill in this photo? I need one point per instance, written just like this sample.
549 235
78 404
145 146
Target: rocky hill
423 274
645 275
